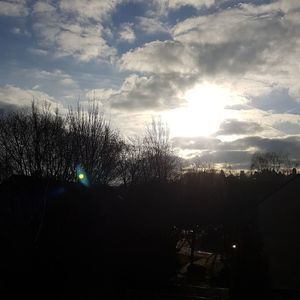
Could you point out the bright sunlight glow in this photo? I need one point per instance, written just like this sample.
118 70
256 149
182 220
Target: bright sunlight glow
203 112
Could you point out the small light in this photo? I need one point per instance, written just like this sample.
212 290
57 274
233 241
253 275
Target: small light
234 246
81 176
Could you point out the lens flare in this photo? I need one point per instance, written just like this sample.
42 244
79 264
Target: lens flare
81 175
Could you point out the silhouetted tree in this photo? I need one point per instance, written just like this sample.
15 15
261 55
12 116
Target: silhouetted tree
150 158
161 163
131 162
270 162
34 143
42 143
95 146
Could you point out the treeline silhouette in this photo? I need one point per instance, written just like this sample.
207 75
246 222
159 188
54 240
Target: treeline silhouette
123 230
45 144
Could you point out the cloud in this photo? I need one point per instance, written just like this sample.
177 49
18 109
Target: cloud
56 83
43 7
79 37
176 4
16 30
267 120
89 9
231 127
288 5
238 107
37 51
14 8
127 34
164 7
258 42
289 144
158 57
253 47
139 93
104 94
277 101
229 41
152 25
12 97
237 152
56 77
20 31
288 127
196 143
156 92
149 93
67 82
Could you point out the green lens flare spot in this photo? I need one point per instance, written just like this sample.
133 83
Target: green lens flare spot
82 176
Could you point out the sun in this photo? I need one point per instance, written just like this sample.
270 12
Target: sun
203 112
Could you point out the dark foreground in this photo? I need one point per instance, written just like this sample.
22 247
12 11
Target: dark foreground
66 241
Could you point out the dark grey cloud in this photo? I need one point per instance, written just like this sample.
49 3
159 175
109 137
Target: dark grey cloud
289 144
231 126
238 152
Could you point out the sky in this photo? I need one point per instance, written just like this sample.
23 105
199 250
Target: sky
223 74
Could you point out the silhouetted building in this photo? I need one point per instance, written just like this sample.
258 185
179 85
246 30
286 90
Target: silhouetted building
279 229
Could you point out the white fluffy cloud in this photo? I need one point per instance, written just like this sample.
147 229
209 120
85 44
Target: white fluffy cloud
163 7
43 7
13 97
56 77
152 25
89 9
79 36
127 33
160 58
288 5
175 4
14 8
